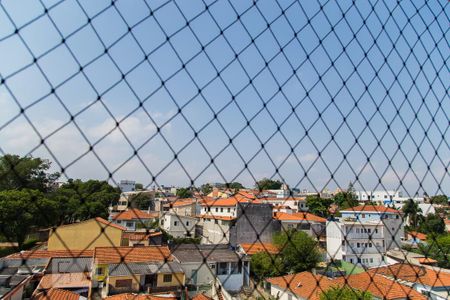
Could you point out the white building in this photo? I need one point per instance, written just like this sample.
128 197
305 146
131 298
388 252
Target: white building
127 185
388 198
364 234
177 225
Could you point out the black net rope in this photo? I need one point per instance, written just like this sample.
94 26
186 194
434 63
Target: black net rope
315 94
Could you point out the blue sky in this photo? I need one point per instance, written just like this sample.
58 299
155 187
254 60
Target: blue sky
220 73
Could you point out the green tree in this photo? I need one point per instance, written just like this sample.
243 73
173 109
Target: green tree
25 173
142 200
268 184
235 186
411 210
184 193
439 199
318 206
345 293
22 210
265 265
300 252
346 199
432 224
139 186
206 188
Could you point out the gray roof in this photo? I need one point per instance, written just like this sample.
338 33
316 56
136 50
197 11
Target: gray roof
17 262
198 253
126 269
70 265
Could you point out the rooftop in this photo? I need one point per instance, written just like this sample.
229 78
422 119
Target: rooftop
371 208
129 296
115 255
65 281
135 214
127 269
232 201
256 247
56 294
299 216
187 253
50 254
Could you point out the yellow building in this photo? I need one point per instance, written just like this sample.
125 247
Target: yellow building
84 235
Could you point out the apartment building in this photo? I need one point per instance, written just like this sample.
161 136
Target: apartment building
363 235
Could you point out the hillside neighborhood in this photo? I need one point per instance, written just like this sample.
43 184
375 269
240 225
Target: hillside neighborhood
93 240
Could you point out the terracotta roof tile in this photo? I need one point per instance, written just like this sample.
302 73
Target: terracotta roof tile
232 201
371 208
65 281
129 296
415 274
138 236
253 248
50 254
56 294
299 216
110 255
418 235
201 296
135 214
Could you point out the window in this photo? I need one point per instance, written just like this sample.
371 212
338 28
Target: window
123 283
370 245
217 209
229 209
130 224
221 209
371 260
357 230
216 222
235 268
397 216
175 223
223 268
376 230
167 278
368 230
357 245
187 223
99 271
363 216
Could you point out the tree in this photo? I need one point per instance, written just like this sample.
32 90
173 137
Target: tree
346 199
235 186
345 293
432 224
268 184
206 188
439 199
411 210
142 200
184 193
139 186
300 252
265 265
25 173
318 206
22 210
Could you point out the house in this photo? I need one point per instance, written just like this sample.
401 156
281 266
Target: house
203 263
183 207
178 226
57 294
306 285
236 220
133 219
77 282
432 282
294 203
414 238
363 234
135 269
253 248
85 235
142 238
311 224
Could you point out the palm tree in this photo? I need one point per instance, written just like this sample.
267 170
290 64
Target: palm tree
411 210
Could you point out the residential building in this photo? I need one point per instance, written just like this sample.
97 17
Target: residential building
363 234
57 294
293 203
135 269
131 296
236 220
306 285
203 263
183 207
311 224
127 185
432 282
133 218
178 226
77 282
85 235
377 196
142 238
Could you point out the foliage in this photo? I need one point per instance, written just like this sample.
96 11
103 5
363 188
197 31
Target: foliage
235 186
142 200
411 210
139 186
300 252
265 265
184 193
345 293
432 224
25 173
268 184
439 199
318 206
438 248
346 199
206 188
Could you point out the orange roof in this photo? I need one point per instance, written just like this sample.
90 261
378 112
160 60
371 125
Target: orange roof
50 254
371 208
232 201
426 260
225 218
64 281
418 235
299 216
56 294
182 202
129 296
415 274
135 214
256 247
201 296
310 286
111 255
138 236
103 221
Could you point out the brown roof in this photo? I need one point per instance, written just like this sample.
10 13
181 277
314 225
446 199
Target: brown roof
135 214
232 201
371 208
253 248
56 294
201 296
111 255
50 254
138 236
418 235
103 221
129 296
426 260
64 281
182 202
299 216
310 286
415 274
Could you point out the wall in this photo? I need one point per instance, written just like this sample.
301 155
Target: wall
214 233
135 286
334 240
177 280
84 235
183 225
